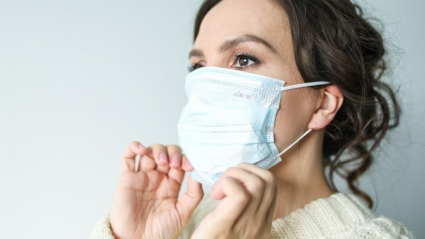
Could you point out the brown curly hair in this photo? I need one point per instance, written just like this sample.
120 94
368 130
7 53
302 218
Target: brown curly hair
333 40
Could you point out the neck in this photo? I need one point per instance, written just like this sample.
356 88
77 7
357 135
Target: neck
300 176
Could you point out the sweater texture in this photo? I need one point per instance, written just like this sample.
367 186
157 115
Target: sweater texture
337 216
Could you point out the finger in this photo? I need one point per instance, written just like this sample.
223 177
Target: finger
175 156
147 163
129 156
270 212
270 186
233 204
190 199
159 153
250 181
263 173
253 184
186 164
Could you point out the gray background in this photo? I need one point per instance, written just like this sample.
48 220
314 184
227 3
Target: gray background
81 79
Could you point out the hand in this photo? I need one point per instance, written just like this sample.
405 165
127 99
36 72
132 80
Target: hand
248 196
146 202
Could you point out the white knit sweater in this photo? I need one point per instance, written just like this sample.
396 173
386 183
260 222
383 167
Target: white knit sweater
338 216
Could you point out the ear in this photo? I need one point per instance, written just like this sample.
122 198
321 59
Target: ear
332 99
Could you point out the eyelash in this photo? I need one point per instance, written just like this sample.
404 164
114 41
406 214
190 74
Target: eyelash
235 58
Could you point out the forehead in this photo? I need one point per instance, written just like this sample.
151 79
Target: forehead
231 18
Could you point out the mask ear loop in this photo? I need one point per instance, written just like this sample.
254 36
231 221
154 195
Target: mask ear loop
296 87
305 85
296 141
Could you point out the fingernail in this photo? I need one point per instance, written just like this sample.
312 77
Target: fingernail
163 157
176 160
141 146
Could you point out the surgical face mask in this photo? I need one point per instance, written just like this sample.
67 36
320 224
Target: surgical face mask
229 119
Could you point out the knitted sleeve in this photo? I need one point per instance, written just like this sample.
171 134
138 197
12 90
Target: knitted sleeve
102 229
382 227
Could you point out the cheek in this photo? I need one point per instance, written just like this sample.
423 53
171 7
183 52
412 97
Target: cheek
292 117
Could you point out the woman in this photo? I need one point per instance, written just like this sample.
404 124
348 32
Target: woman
259 41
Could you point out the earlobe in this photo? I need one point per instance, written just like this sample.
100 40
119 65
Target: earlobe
331 102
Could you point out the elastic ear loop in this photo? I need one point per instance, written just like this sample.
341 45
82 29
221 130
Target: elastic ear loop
295 87
305 85
296 141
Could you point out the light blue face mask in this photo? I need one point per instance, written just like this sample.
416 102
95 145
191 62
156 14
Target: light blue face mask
229 119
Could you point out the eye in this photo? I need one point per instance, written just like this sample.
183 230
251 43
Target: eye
244 60
194 67
240 61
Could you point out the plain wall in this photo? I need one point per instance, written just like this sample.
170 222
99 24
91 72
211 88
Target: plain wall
79 80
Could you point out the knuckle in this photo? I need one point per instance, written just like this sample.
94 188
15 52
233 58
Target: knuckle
225 180
159 147
230 171
257 184
144 158
269 177
134 142
244 197
174 148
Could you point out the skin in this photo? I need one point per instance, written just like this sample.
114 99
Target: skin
146 203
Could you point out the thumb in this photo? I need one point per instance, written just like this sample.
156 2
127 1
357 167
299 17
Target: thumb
190 199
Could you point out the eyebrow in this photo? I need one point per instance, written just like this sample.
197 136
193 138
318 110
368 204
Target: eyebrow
234 42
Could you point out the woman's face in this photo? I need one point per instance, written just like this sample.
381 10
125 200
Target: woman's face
254 36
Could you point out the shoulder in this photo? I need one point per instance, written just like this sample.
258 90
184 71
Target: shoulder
338 216
381 227
377 226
